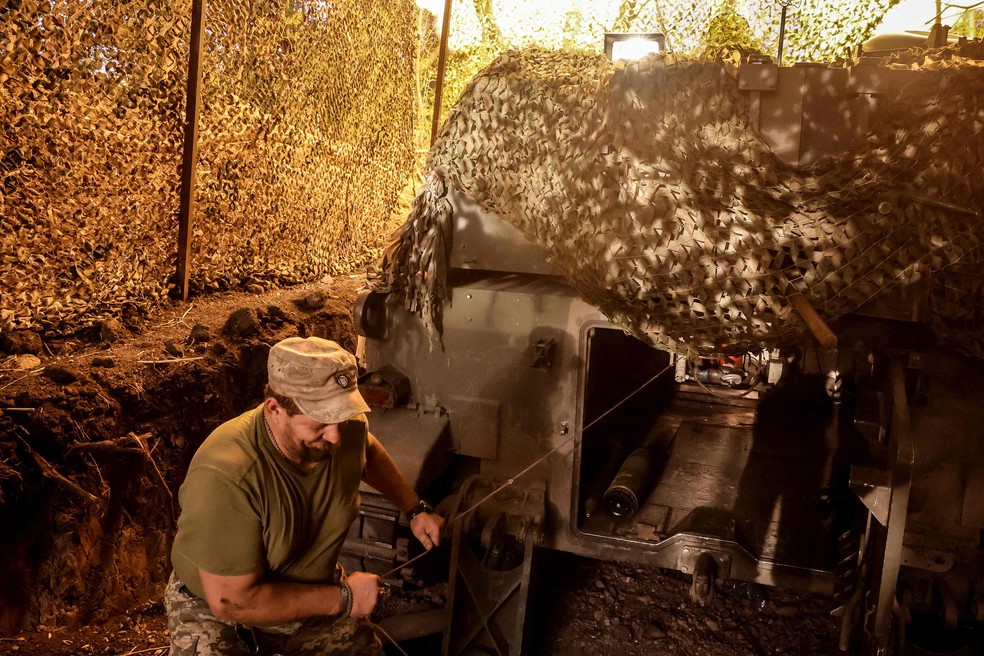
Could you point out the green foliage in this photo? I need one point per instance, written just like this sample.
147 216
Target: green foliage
728 28
970 24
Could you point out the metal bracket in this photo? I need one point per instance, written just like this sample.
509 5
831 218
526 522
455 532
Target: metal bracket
370 314
541 353
873 487
489 583
687 561
931 560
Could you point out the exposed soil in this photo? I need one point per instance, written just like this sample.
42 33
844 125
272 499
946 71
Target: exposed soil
592 607
584 607
96 431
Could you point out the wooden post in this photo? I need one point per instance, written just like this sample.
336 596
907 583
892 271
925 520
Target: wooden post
189 161
442 57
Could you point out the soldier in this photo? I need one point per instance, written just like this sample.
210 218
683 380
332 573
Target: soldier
265 507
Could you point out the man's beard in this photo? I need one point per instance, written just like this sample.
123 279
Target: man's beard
315 454
308 453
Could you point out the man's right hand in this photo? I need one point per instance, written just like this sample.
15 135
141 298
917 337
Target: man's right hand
365 593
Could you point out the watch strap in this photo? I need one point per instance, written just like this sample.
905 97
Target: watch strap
421 507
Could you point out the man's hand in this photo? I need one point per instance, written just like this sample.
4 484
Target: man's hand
365 593
426 527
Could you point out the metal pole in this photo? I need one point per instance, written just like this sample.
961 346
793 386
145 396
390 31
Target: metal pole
442 58
782 30
189 161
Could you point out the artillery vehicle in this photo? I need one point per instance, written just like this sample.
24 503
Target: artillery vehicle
842 458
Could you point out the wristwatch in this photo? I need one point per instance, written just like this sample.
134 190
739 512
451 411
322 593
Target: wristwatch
421 507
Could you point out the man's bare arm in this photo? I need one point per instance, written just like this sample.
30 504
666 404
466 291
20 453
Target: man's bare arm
249 599
383 474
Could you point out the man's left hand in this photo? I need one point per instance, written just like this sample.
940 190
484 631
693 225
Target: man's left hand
426 527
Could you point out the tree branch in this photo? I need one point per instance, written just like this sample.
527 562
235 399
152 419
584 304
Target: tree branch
50 472
130 444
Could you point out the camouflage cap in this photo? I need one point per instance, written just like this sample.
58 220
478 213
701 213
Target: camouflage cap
319 375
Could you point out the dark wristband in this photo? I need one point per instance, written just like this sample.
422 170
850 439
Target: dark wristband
421 507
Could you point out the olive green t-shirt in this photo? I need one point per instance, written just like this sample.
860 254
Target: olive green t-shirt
244 509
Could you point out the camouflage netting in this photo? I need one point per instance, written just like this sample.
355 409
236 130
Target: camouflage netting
306 137
90 135
816 30
305 143
956 160
658 202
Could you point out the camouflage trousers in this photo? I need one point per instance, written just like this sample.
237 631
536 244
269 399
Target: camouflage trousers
195 631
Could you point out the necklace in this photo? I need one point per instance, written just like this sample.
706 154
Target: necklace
273 439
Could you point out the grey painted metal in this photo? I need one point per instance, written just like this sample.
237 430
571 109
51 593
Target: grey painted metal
807 114
508 413
873 487
488 594
500 408
758 76
482 372
484 241
508 403
928 559
510 399
374 542
781 113
417 440
497 601
808 111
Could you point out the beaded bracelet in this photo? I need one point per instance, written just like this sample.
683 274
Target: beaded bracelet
347 600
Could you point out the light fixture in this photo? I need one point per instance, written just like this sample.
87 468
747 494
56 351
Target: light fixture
633 45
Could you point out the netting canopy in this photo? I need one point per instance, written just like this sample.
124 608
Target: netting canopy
660 204
816 30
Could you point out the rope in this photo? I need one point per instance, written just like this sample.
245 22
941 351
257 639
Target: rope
559 446
512 480
534 464
381 631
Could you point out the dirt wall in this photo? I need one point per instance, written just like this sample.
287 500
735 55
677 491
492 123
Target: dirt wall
95 438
